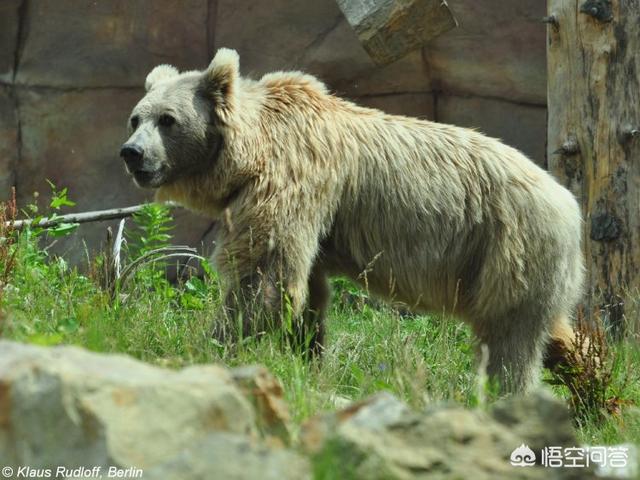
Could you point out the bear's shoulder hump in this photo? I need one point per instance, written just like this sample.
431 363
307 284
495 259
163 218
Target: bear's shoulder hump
294 79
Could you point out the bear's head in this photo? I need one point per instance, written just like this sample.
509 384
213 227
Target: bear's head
176 129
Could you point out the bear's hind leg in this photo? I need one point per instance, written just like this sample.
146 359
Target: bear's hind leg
516 342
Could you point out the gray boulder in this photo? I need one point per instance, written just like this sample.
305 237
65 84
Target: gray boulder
227 456
381 438
67 406
267 397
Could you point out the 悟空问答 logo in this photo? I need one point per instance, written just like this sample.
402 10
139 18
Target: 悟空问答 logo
523 456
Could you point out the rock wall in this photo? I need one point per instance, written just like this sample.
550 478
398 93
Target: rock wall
71 70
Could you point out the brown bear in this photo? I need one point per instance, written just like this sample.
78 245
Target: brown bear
309 185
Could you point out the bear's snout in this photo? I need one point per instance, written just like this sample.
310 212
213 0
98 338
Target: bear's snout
132 155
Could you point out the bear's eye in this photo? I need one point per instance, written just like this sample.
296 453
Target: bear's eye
166 120
135 120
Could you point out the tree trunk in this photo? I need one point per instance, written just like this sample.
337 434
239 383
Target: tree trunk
593 142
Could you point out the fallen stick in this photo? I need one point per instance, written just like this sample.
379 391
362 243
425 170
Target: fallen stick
82 217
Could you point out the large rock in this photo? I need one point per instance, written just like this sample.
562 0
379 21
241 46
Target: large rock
227 456
520 126
8 141
389 30
68 406
115 43
540 418
381 438
267 396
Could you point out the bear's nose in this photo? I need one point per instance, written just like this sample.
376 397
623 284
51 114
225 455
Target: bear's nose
132 155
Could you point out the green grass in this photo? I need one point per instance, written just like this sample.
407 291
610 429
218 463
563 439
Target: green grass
422 359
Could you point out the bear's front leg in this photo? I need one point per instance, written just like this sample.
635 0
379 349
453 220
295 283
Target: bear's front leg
269 296
310 332
251 307
263 303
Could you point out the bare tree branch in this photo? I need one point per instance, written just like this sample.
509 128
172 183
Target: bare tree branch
82 217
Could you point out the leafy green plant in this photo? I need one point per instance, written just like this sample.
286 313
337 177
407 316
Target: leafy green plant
149 252
146 242
153 224
349 293
59 199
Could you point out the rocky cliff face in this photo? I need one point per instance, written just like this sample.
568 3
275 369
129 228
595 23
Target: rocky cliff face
70 71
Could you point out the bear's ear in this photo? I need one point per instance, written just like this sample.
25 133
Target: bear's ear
220 79
161 72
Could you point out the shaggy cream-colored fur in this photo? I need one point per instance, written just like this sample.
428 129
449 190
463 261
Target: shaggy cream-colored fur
309 185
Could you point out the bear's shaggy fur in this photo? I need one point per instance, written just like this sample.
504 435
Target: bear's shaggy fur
309 185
